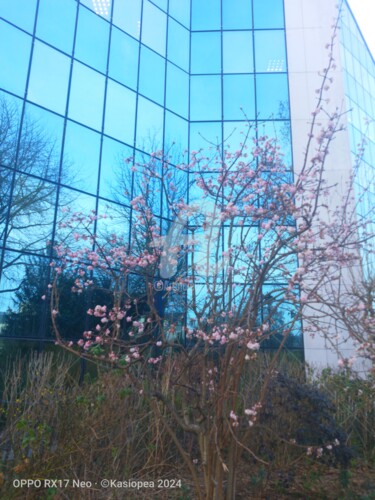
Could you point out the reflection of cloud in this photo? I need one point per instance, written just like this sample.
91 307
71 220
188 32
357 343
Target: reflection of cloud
275 65
101 7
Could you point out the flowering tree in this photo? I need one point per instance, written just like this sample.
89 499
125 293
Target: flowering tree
245 261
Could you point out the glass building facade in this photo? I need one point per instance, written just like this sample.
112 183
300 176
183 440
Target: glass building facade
359 83
85 84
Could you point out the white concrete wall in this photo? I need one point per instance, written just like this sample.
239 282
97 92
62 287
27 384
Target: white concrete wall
309 27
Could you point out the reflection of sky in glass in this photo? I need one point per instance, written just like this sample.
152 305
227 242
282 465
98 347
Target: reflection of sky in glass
194 88
359 72
14 59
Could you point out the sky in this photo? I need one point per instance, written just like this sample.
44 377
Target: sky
364 12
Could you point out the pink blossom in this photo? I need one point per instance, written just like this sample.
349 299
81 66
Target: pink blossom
253 346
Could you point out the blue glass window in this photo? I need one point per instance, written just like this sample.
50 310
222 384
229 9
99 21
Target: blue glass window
86 96
49 78
56 21
203 135
117 221
92 40
176 137
270 54
151 75
42 132
163 4
149 125
205 53
77 202
281 131
268 13
10 116
235 134
154 27
20 12
177 90
152 192
33 213
127 16
15 48
205 98
272 96
180 10
123 62
206 15
120 112
237 14
6 184
239 97
178 44
81 156
238 52
115 172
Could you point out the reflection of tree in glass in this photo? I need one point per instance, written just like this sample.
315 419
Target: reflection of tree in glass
131 183
277 314
29 169
24 319
29 315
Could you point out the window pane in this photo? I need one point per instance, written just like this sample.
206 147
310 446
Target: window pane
20 12
237 14
268 14
92 40
203 135
270 51
6 179
151 76
123 62
127 16
74 201
23 283
117 221
151 191
120 112
32 213
154 27
239 101
163 4
40 146
235 134
205 53
177 90
149 125
205 98
178 44
281 131
180 10
206 15
81 157
272 96
238 52
15 49
115 173
86 97
49 78
176 137
10 116
56 21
